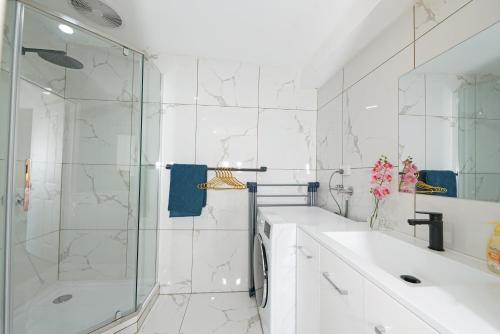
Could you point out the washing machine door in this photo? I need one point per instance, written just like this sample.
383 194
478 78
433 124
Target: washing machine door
260 271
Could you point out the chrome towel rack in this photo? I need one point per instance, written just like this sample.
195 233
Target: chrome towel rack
231 169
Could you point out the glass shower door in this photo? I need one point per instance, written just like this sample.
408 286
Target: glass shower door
77 180
5 92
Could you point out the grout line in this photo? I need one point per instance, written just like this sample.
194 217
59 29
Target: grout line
439 23
195 159
185 312
414 39
258 121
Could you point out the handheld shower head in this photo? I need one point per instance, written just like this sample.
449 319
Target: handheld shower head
56 57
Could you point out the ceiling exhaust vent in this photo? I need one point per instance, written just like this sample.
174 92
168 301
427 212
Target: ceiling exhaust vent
97 12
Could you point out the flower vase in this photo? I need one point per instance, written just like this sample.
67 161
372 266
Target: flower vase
374 219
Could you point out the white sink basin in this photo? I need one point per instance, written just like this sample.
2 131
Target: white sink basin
398 257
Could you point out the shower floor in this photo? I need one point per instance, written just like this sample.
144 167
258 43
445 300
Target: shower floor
92 302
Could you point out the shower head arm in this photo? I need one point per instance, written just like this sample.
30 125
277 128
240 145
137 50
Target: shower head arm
36 50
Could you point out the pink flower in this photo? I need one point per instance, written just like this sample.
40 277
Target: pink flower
405 189
388 177
377 193
409 178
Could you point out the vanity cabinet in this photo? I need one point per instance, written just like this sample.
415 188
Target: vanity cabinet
384 315
308 280
333 298
341 296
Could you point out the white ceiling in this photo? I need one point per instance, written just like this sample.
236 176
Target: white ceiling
313 35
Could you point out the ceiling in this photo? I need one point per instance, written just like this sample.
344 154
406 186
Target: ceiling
312 35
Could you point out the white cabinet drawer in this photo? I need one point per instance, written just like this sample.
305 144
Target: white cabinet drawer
384 315
308 280
341 296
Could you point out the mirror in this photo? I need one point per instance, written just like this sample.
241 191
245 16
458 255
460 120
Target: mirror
449 120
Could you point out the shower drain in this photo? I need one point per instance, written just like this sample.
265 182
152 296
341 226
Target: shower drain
62 299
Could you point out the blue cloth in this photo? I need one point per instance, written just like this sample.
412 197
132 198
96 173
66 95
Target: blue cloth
440 178
185 199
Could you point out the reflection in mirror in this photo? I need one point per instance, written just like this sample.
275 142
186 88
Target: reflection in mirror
449 120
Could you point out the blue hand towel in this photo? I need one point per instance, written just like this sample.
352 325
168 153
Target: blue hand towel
185 199
440 178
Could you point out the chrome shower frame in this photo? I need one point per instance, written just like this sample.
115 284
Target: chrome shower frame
14 92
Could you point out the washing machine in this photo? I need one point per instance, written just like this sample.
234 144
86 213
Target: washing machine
274 265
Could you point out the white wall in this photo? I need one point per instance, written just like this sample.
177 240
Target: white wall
349 133
225 113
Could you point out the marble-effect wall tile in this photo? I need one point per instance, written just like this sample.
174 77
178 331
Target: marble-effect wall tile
227 83
429 13
280 88
488 146
178 126
487 188
179 78
108 73
488 96
176 257
95 197
412 94
370 114
98 132
292 133
93 255
450 95
412 139
220 261
41 115
329 135
227 136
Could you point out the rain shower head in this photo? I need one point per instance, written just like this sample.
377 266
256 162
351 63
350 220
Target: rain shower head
56 57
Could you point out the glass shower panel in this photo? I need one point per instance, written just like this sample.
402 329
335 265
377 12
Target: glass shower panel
75 220
5 90
151 120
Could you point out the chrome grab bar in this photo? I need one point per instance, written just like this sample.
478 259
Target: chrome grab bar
306 254
27 184
343 292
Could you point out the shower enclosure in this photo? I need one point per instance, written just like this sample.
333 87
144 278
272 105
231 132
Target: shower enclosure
79 145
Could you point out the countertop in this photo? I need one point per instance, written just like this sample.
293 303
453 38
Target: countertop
448 308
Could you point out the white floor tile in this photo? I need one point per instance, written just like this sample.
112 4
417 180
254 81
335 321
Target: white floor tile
221 313
208 313
166 315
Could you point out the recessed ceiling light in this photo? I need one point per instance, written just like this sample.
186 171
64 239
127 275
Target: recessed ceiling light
66 29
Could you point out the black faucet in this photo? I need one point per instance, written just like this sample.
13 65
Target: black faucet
435 223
